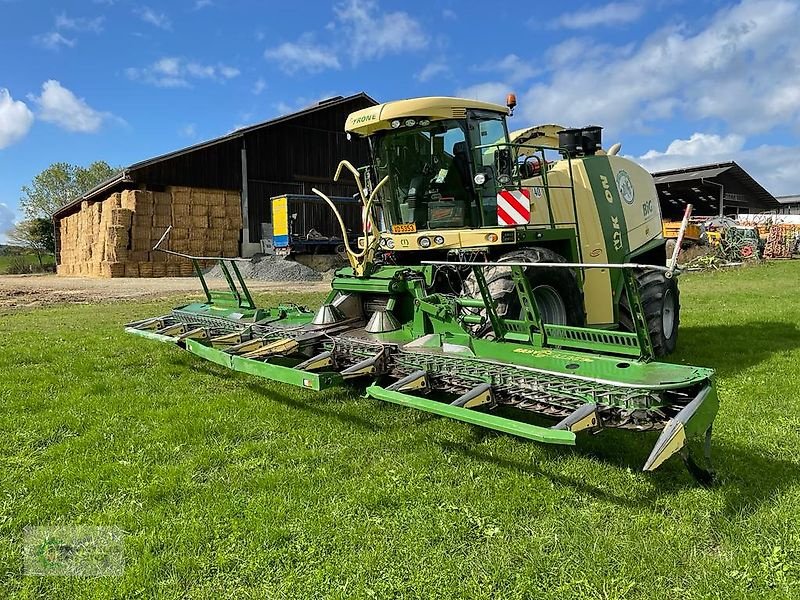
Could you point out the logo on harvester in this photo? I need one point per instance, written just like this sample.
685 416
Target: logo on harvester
625 187
363 119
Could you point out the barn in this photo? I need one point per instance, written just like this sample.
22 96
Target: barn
215 195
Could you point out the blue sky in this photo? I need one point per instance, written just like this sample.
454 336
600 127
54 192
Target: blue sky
677 82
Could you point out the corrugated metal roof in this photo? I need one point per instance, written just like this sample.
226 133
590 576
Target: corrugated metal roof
729 171
688 175
124 175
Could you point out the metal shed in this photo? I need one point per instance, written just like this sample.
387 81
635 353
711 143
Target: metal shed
714 189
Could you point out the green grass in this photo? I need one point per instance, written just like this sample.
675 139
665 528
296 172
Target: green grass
229 486
28 259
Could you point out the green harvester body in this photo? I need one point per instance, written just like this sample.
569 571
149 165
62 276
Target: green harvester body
424 356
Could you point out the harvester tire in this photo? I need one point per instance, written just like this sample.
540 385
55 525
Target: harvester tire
662 308
557 292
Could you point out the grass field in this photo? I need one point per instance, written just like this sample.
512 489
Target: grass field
229 486
29 259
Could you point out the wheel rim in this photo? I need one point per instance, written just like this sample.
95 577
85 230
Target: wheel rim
551 305
668 314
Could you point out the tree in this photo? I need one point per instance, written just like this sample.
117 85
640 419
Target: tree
60 183
34 234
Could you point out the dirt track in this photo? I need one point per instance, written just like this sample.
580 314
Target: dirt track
24 291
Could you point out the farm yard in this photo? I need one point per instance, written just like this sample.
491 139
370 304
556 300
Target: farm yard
225 485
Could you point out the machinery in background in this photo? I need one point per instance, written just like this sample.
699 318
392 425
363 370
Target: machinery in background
303 224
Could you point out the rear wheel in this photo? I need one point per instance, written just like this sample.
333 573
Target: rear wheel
556 291
661 303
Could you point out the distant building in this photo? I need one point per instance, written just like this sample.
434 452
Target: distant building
716 189
790 205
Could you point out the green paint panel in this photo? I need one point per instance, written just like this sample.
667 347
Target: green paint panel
304 379
525 430
612 215
150 335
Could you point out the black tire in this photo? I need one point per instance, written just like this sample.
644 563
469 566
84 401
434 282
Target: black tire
556 288
662 308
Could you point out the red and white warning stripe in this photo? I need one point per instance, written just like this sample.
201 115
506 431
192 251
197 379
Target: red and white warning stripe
513 207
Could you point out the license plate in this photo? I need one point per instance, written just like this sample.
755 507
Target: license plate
404 228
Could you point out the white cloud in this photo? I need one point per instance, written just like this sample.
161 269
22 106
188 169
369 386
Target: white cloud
15 119
492 91
189 130
511 68
60 106
613 13
173 72
302 102
699 146
449 14
156 19
94 25
200 4
362 32
303 55
774 167
741 68
372 33
433 69
6 220
53 40
259 86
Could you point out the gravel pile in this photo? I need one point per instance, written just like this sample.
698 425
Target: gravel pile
271 268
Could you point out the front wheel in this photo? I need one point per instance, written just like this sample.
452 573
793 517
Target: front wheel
555 290
661 303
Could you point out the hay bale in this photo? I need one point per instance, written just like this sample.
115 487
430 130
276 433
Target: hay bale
186 269
141 244
217 223
179 233
230 248
216 212
139 255
198 210
214 235
180 210
181 196
142 221
173 269
159 269
230 234
145 269
216 198
121 217
198 222
131 269
162 221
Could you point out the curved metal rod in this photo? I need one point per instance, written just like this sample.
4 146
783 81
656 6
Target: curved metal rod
355 258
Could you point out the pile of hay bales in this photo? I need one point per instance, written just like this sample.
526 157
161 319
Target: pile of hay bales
114 237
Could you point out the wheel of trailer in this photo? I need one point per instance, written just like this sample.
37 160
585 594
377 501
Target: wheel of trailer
661 303
556 291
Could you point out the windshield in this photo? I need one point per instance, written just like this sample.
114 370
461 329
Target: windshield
430 179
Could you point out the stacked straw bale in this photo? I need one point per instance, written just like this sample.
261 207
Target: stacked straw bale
114 237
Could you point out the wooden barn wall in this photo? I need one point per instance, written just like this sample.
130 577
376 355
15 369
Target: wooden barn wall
216 167
302 153
288 157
